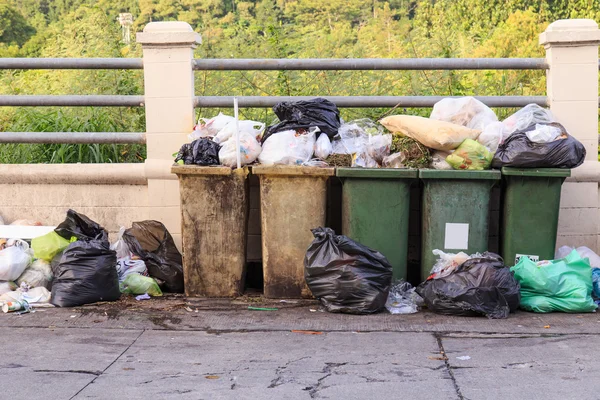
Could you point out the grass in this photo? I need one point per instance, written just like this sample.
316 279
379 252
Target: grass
417 155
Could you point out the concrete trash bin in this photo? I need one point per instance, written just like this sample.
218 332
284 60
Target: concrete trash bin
214 219
292 202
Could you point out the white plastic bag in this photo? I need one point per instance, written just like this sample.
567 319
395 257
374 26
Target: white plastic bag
249 150
14 260
36 296
379 147
120 246
438 160
210 127
128 266
251 127
447 263
6 287
544 133
524 118
38 274
323 147
288 148
491 136
465 111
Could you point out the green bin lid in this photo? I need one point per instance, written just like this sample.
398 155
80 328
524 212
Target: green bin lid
382 173
490 174
541 172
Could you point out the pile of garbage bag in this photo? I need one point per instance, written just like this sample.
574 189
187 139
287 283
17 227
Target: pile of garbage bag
75 265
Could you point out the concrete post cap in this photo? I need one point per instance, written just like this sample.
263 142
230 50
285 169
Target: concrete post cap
168 33
571 32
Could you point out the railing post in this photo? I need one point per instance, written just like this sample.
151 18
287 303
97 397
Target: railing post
169 103
572 86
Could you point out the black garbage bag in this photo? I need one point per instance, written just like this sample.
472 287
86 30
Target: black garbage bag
480 286
85 273
518 151
152 242
81 227
304 114
346 276
201 151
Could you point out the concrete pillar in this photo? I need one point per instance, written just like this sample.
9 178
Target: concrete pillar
572 86
169 102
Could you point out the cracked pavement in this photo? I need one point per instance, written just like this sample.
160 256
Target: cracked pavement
82 354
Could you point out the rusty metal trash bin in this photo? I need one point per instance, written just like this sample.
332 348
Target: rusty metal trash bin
214 220
292 202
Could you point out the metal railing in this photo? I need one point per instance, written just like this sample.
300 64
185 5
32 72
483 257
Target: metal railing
247 101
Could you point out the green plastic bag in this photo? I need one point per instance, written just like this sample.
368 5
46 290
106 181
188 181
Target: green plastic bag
470 155
139 284
557 285
47 246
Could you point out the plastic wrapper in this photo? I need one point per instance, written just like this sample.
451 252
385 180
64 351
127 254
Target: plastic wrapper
210 127
7 286
518 151
346 276
470 155
395 160
446 263
403 299
558 285
479 286
152 242
249 150
315 162
38 274
465 111
35 296
438 160
288 148
302 114
85 274
138 284
584 252
363 160
201 151
127 266
14 260
323 147
49 245
543 133
491 136
252 128
438 135
527 116
379 147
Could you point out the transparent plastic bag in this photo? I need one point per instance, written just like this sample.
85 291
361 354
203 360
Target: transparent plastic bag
323 147
363 160
438 160
14 260
288 148
38 274
351 139
447 263
379 147
210 127
465 111
120 246
544 133
403 299
395 160
491 136
521 120
252 128
249 150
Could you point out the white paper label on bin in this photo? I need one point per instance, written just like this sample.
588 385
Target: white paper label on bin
457 237
532 257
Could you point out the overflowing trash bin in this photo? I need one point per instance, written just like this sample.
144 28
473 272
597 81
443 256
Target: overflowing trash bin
376 209
455 211
293 201
214 210
531 203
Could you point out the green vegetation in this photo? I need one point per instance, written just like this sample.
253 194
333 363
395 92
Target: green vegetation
265 29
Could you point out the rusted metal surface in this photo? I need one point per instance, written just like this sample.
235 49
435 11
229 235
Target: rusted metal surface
290 207
214 210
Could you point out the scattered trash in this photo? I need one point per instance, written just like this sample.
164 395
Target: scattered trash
262 308
438 358
346 276
188 309
318 112
289 301
438 135
212 377
12 306
152 242
138 284
546 326
144 296
403 299
518 151
202 152
73 316
463 358
479 286
557 285
312 310
307 332
470 155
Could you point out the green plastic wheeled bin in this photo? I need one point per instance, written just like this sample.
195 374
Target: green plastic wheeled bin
530 206
455 212
375 211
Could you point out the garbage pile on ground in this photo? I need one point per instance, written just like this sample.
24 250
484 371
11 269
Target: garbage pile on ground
75 265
